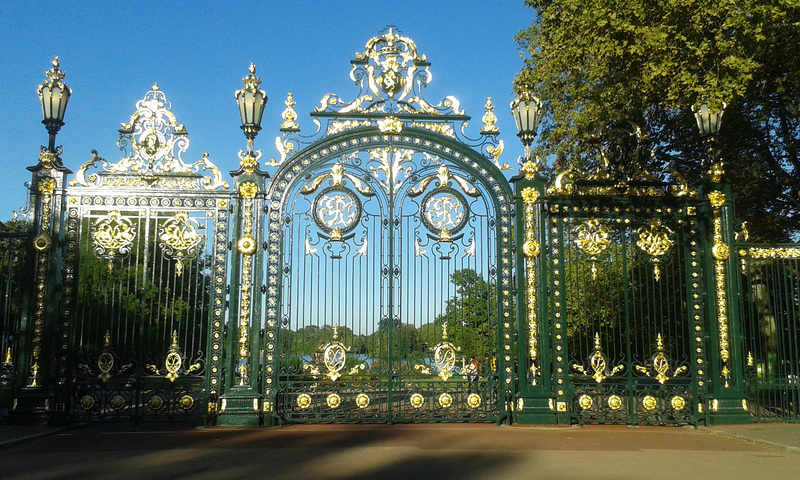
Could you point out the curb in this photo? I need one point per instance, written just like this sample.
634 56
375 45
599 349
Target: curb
756 441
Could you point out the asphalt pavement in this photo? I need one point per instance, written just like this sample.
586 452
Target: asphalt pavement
413 451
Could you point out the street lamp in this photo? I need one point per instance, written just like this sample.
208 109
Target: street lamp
251 100
709 121
527 111
54 95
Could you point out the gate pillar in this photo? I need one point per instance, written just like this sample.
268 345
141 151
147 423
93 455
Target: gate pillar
241 404
727 399
534 400
42 367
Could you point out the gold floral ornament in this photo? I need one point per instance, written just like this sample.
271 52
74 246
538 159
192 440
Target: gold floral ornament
592 238
112 236
655 241
473 400
304 400
659 365
289 115
445 400
615 402
489 118
598 362
417 400
362 400
156 142
173 363
391 73
180 240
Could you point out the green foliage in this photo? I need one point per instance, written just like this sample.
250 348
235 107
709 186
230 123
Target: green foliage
652 60
471 315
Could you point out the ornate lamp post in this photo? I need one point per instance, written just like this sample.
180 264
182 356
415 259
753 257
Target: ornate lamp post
709 121
527 111
251 100
243 403
54 95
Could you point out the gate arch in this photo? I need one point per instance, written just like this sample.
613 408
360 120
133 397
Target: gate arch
389 267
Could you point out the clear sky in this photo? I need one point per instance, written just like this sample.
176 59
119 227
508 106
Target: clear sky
198 52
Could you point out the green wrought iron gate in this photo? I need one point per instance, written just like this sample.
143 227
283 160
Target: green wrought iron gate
392 239
387 272
144 274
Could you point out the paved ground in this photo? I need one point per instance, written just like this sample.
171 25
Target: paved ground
441 451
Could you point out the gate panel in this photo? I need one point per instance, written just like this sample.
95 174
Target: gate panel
629 313
144 295
333 361
12 261
390 288
144 277
771 331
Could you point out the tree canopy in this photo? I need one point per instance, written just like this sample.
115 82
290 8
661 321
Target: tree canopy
651 61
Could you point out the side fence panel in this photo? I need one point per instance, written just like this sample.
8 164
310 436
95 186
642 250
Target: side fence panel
771 330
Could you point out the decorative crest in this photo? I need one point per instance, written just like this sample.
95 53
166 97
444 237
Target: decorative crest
157 142
390 72
55 76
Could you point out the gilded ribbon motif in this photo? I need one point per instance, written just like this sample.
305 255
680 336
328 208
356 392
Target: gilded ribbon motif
531 249
247 247
41 244
720 252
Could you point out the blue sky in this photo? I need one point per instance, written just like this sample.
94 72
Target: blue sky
198 52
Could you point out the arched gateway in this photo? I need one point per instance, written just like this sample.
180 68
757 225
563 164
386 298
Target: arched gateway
389 259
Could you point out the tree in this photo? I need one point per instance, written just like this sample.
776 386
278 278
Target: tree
651 61
471 315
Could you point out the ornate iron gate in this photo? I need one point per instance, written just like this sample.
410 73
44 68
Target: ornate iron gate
771 330
144 274
615 316
389 258
388 273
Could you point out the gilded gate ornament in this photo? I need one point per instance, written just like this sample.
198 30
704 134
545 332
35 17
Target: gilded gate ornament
598 362
180 239
592 238
156 141
332 359
655 241
720 251
112 236
444 356
174 363
659 365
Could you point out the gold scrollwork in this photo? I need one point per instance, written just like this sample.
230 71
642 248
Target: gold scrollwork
180 239
289 116
598 363
660 364
173 362
655 241
720 251
531 249
593 238
444 356
112 236
157 142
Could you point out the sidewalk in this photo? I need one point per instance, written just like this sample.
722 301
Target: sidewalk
468 451
785 436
